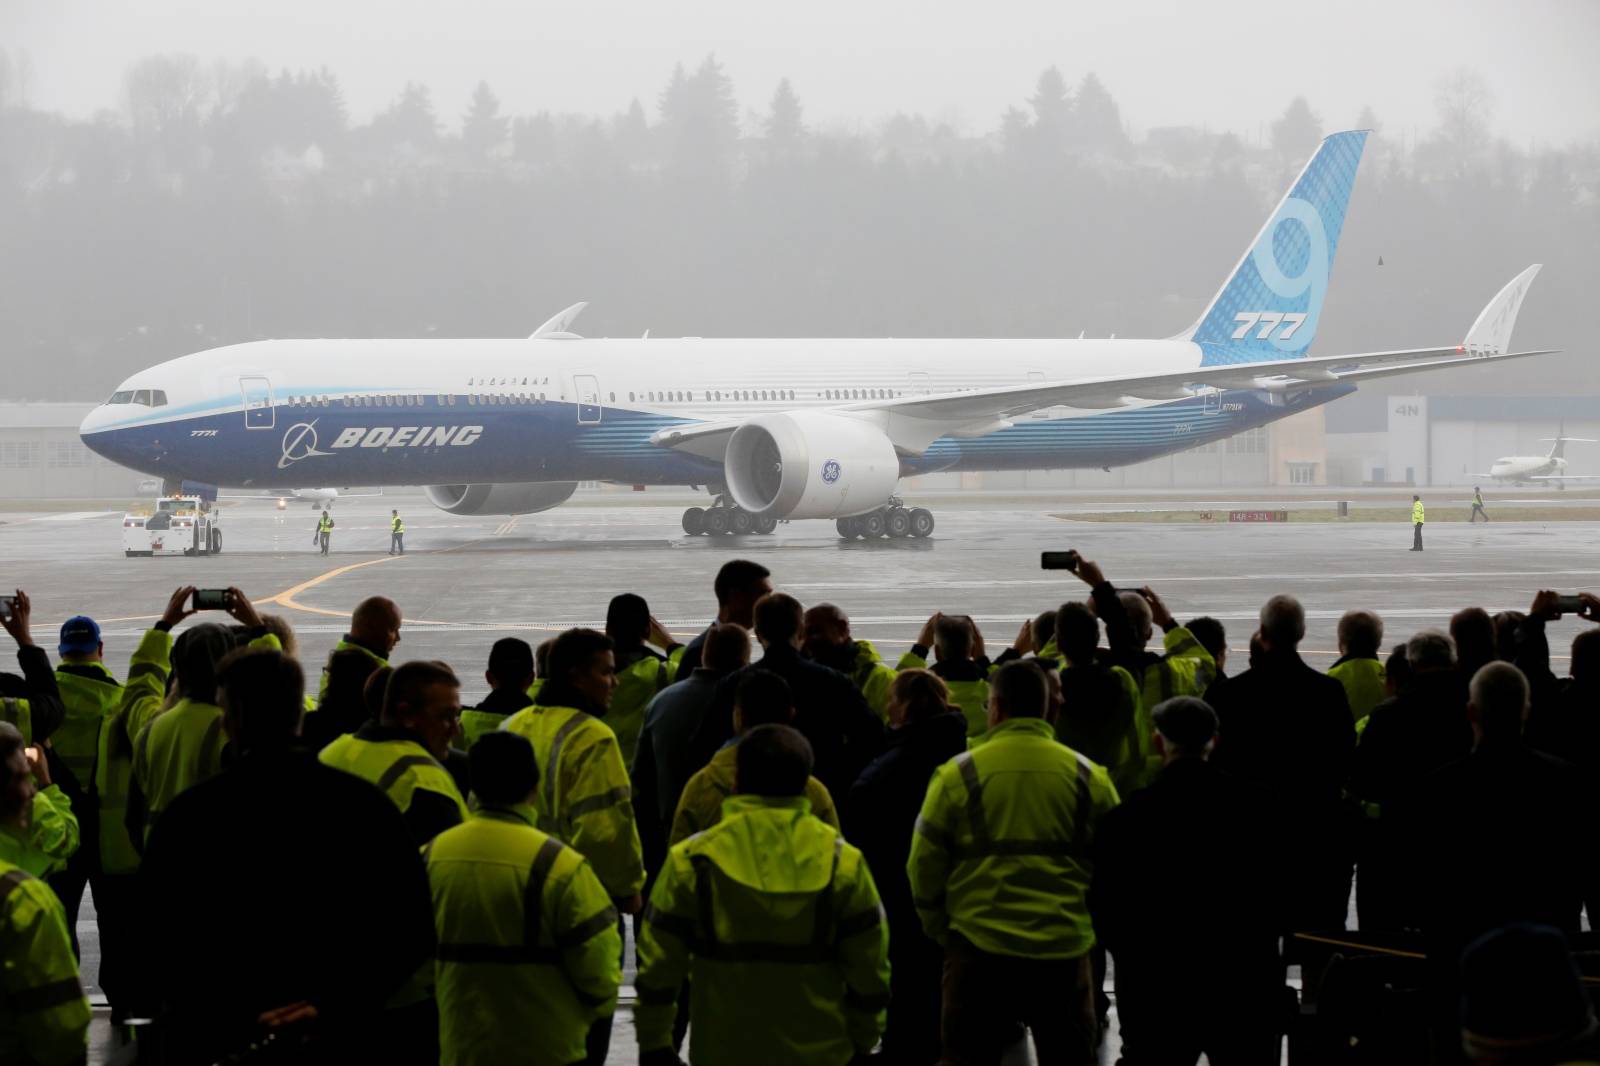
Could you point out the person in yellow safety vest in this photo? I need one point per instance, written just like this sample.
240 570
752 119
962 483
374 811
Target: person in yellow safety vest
50 838
1185 668
397 534
1000 870
641 670
528 956
31 702
584 798
510 675
828 641
774 920
1417 515
1100 715
763 698
44 1015
178 743
961 664
90 695
402 751
1359 669
323 534
374 632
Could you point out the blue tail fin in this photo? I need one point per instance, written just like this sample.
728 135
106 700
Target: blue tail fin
1269 307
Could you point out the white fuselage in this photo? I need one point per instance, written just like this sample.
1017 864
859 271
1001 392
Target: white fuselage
1527 467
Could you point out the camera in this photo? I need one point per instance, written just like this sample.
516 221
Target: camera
1570 605
212 599
8 607
1067 560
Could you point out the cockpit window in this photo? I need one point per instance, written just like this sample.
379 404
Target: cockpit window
142 397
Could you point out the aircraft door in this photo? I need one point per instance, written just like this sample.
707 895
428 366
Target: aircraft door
919 383
587 387
259 412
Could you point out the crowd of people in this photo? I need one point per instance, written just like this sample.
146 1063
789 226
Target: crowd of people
824 857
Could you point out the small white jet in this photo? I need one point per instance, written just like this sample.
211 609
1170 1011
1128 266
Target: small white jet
1552 467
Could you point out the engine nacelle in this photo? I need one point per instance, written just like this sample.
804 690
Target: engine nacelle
810 464
519 498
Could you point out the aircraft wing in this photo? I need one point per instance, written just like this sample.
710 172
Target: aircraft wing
914 422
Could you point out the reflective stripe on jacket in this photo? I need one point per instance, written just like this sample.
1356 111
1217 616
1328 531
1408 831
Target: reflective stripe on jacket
700 806
528 951
44 1015
777 923
584 798
399 768
1001 849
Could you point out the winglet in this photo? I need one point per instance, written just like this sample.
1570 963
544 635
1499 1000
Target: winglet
1491 332
561 323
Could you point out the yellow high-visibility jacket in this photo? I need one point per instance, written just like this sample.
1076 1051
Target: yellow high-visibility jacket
44 1015
776 921
529 953
584 798
1001 850
700 806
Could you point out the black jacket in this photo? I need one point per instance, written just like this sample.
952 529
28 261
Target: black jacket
38 686
884 803
1409 736
1500 837
231 928
1565 719
829 711
1283 725
1198 828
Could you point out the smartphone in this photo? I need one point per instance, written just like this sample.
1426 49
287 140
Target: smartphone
212 599
1067 560
1570 605
8 607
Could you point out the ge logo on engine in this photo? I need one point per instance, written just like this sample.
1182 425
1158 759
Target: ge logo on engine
830 471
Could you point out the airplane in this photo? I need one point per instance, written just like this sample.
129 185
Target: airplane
774 429
319 499
1552 467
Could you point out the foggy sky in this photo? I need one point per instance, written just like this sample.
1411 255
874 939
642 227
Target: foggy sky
1226 65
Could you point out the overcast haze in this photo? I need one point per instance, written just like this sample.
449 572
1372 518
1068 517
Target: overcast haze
1224 65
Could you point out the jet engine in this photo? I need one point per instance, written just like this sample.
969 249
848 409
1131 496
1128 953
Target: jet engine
810 464
519 498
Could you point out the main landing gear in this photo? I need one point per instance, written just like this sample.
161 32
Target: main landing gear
892 521
724 518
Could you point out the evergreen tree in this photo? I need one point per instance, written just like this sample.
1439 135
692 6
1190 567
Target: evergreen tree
1296 133
1097 118
483 128
783 123
1052 109
409 121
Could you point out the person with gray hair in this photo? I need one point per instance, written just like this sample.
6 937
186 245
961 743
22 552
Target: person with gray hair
1289 729
1501 835
1358 668
1406 738
1207 983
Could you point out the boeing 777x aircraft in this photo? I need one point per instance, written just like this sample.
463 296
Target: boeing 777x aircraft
775 429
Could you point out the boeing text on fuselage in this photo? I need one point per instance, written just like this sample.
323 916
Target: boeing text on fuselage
777 429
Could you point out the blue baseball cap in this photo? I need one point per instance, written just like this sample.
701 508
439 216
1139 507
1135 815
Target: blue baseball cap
80 635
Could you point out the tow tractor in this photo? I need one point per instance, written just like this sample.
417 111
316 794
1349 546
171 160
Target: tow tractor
180 525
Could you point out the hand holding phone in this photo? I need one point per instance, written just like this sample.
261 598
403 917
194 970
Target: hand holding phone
1067 560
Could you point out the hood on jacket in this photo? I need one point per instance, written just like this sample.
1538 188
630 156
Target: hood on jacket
771 844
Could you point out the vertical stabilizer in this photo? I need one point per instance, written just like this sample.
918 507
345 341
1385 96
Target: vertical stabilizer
1269 307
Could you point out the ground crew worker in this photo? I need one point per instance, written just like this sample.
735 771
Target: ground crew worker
403 751
182 744
31 702
584 798
397 534
50 838
1477 506
828 641
641 670
44 1015
528 944
1018 808
776 923
763 699
1359 669
961 664
1416 523
324 532
374 632
510 675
